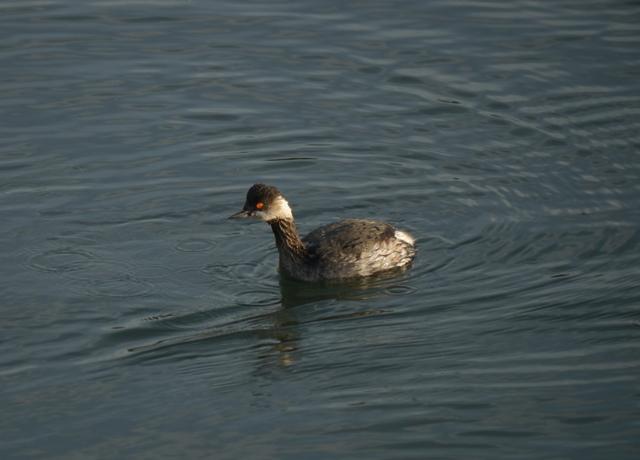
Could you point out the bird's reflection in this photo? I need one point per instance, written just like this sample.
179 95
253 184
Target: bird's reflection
277 328
295 293
287 321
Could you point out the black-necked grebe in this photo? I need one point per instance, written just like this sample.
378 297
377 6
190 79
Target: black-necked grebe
346 249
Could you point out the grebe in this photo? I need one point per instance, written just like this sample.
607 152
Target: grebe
346 249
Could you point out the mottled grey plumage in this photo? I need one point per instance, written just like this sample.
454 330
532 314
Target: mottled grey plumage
345 249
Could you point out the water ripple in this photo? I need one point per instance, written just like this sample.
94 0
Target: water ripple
60 260
194 245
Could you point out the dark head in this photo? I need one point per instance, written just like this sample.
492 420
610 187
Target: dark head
264 202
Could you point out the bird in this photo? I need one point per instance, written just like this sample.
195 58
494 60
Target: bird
351 248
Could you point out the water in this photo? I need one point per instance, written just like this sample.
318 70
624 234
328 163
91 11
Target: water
137 322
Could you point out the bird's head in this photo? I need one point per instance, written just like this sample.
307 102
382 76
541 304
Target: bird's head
264 202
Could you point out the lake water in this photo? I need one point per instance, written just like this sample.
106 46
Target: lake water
137 322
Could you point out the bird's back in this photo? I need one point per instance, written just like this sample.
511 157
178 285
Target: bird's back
358 247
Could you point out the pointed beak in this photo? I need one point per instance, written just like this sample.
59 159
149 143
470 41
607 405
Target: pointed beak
240 215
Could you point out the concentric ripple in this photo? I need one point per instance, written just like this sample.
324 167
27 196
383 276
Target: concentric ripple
194 245
108 279
61 260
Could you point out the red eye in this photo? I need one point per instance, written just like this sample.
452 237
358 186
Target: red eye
259 205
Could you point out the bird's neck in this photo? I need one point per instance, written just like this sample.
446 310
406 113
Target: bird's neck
288 240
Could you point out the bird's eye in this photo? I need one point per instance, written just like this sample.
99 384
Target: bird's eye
259 205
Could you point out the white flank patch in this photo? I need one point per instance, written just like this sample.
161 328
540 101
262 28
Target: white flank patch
404 236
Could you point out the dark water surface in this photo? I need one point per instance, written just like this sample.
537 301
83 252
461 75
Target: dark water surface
136 322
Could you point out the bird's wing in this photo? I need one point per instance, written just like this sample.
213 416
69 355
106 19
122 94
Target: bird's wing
348 238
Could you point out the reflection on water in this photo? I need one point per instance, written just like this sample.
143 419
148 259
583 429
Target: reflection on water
137 321
279 324
295 293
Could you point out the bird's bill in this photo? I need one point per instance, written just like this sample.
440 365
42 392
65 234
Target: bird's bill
240 215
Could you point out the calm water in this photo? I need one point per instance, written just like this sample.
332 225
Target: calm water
136 322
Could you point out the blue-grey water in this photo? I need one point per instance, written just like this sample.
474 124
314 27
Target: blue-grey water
137 322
